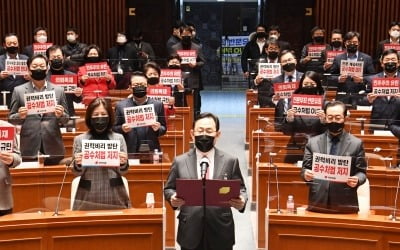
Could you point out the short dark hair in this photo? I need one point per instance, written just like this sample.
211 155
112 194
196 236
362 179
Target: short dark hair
94 104
73 29
30 59
262 26
37 29
177 24
151 65
336 103
350 35
390 51
274 27
207 115
52 49
394 23
169 58
8 35
337 31
316 77
317 28
287 51
92 46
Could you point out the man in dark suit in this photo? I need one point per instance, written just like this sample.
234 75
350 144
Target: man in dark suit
384 108
216 230
351 89
135 137
39 36
275 32
7 81
310 63
40 133
191 72
327 196
265 87
394 38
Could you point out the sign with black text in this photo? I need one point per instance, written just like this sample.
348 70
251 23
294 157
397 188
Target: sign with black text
314 51
100 153
7 135
351 68
385 86
331 54
68 82
269 70
16 67
159 93
40 48
170 76
40 102
285 89
188 56
96 70
307 105
331 167
140 116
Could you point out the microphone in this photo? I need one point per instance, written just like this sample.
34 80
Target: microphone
393 215
271 162
67 165
204 163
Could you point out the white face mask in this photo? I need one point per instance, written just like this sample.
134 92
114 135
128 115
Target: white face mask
71 38
395 33
273 36
121 39
41 39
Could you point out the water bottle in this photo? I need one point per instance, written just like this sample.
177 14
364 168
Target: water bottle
290 205
156 156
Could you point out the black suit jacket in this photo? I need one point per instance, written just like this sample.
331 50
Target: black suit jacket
219 227
250 51
132 137
333 197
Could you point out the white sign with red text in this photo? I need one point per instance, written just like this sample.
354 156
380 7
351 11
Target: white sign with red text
285 89
385 86
40 102
16 67
269 70
170 76
331 167
40 48
100 153
314 51
351 68
307 105
7 135
159 93
331 54
68 82
188 56
140 116
96 70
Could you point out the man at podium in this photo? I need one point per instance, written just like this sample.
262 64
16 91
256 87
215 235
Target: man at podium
208 227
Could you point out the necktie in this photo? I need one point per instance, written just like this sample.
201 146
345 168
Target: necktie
290 78
334 144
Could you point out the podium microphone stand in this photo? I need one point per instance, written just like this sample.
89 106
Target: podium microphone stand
272 165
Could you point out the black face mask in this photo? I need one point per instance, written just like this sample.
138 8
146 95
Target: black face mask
93 59
289 67
309 90
153 80
173 66
56 64
204 143
186 40
139 91
319 39
335 127
170 107
273 55
38 74
261 35
12 50
390 67
351 48
336 44
100 124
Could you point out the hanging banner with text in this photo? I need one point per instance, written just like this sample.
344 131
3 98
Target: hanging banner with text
351 68
100 153
307 105
331 167
140 116
269 70
40 102
385 86
67 82
16 67
96 70
7 135
285 89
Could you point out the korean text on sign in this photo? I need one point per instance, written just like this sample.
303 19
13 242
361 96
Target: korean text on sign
40 48
314 51
351 68
269 70
285 89
385 86
307 105
331 167
188 56
7 135
68 82
40 102
16 67
159 93
140 116
170 76
100 153
330 55
96 70
394 46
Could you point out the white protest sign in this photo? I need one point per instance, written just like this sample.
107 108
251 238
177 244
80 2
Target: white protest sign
385 86
331 167
100 153
170 76
40 102
285 89
140 116
351 68
16 67
269 70
307 105
188 56
96 70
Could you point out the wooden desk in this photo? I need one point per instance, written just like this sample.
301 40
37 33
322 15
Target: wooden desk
82 230
332 232
260 119
251 100
37 189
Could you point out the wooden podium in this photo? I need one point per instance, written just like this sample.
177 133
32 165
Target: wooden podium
83 230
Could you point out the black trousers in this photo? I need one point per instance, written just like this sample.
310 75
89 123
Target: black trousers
4 212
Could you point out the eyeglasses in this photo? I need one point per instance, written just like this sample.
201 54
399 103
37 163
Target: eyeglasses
207 131
330 118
